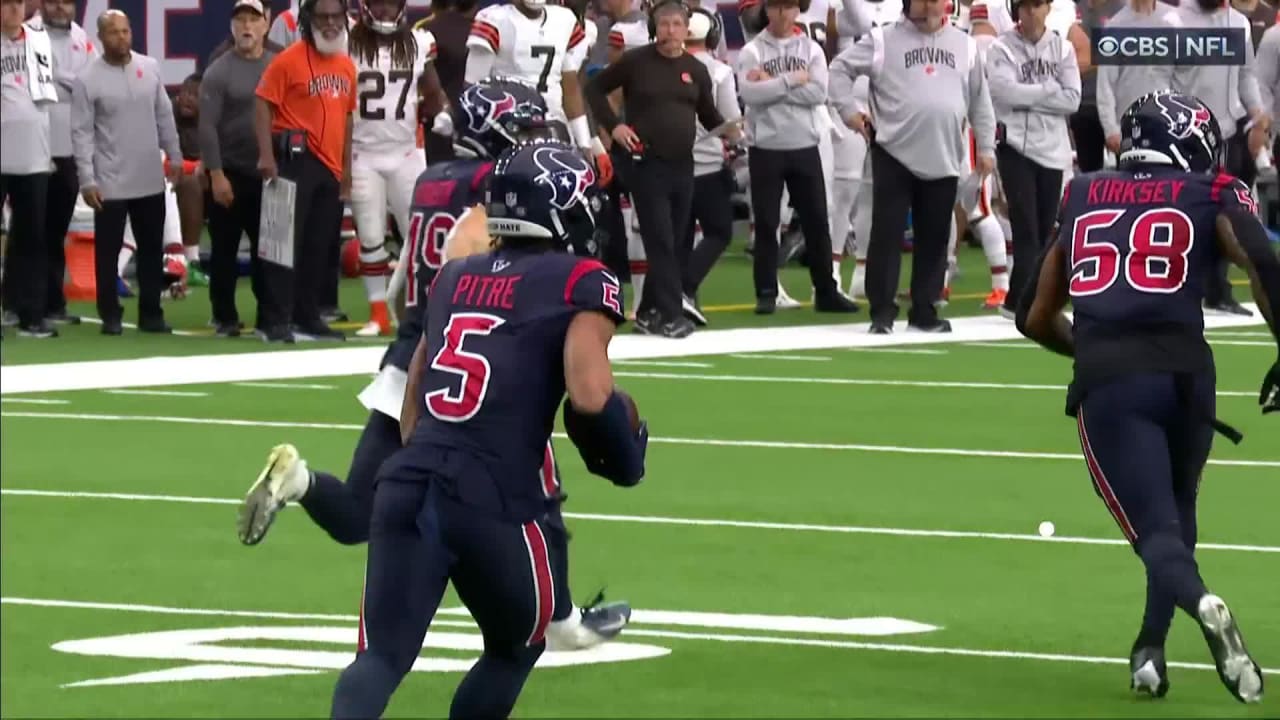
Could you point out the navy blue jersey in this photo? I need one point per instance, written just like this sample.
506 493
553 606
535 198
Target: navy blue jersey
494 379
442 193
1140 245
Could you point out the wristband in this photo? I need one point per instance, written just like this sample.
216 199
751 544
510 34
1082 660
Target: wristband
580 131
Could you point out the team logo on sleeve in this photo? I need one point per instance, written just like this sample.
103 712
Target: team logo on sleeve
566 174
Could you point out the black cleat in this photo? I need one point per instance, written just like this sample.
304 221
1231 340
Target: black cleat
1229 307
879 327
834 303
681 327
61 317
43 329
648 322
1236 668
1148 673
766 305
112 327
937 326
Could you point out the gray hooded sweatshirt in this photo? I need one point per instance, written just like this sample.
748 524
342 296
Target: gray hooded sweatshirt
1230 91
1120 85
923 88
782 115
1269 70
1035 87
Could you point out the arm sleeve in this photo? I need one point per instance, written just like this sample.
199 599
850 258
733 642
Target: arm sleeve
858 59
708 115
601 84
757 92
576 54
857 16
813 92
591 287
1067 98
1003 77
211 98
982 115
82 132
479 63
1250 94
1268 66
1106 99
166 128
486 31
727 98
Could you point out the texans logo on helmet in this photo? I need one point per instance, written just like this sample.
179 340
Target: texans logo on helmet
1184 120
566 173
488 108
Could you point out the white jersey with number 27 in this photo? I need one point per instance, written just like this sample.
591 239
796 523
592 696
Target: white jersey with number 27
535 50
387 99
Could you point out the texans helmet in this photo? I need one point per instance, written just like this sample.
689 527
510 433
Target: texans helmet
497 113
546 190
1170 128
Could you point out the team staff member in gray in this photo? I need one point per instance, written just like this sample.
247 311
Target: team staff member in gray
122 118
229 150
782 76
72 51
664 89
1035 88
25 162
926 79
1120 85
1231 92
713 182
1269 78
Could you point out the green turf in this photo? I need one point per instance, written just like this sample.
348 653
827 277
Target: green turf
832 556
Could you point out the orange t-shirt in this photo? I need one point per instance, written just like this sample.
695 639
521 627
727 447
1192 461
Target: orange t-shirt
312 92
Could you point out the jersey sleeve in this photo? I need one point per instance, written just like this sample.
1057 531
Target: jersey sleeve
486 29
426 45
576 54
592 287
1230 192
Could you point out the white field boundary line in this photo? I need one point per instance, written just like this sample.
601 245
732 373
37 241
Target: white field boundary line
158 393
327 362
675 635
35 401
686 522
872 382
711 442
285 386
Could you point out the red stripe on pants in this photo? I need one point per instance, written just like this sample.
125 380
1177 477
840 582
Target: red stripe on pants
1101 484
540 565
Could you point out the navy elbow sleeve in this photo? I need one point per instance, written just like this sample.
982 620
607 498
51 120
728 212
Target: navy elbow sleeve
606 441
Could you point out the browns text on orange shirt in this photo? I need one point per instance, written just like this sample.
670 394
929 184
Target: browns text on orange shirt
315 93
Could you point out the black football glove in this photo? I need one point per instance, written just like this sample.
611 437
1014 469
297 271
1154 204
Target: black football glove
1269 398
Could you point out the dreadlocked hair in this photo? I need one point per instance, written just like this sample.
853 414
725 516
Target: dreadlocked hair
363 45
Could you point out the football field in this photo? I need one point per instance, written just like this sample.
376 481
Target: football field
828 528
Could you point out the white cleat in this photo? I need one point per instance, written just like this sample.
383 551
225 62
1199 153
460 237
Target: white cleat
588 627
370 329
284 479
1238 671
785 301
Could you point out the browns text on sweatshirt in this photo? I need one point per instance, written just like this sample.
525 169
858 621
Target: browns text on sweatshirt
121 118
782 114
923 87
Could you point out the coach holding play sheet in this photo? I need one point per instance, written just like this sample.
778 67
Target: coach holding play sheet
926 80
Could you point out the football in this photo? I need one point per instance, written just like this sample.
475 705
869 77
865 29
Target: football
633 412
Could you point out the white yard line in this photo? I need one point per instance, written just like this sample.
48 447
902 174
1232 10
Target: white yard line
630 631
687 522
285 386
1240 333
36 401
1004 345
159 393
325 362
902 351
711 442
661 363
800 358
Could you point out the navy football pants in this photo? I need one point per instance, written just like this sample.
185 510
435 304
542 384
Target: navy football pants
1146 445
419 541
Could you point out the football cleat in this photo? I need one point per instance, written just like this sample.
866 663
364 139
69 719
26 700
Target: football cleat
589 626
1238 671
284 479
1148 673
995 300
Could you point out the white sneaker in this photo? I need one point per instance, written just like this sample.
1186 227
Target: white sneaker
370 329
858 285
1236 668
284 479
785 301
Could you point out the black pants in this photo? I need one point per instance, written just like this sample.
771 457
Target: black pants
931 202
420 539
226 225
26 261
1091 140
1145 452
64 190
146 216
317 228
801 172
661 193
713 209
1240 163
1033 193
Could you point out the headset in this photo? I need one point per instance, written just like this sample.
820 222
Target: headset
653 14
712 40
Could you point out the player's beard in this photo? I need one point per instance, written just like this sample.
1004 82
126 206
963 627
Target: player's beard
325 46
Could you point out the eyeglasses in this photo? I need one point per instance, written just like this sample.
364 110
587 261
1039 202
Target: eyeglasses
328 18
